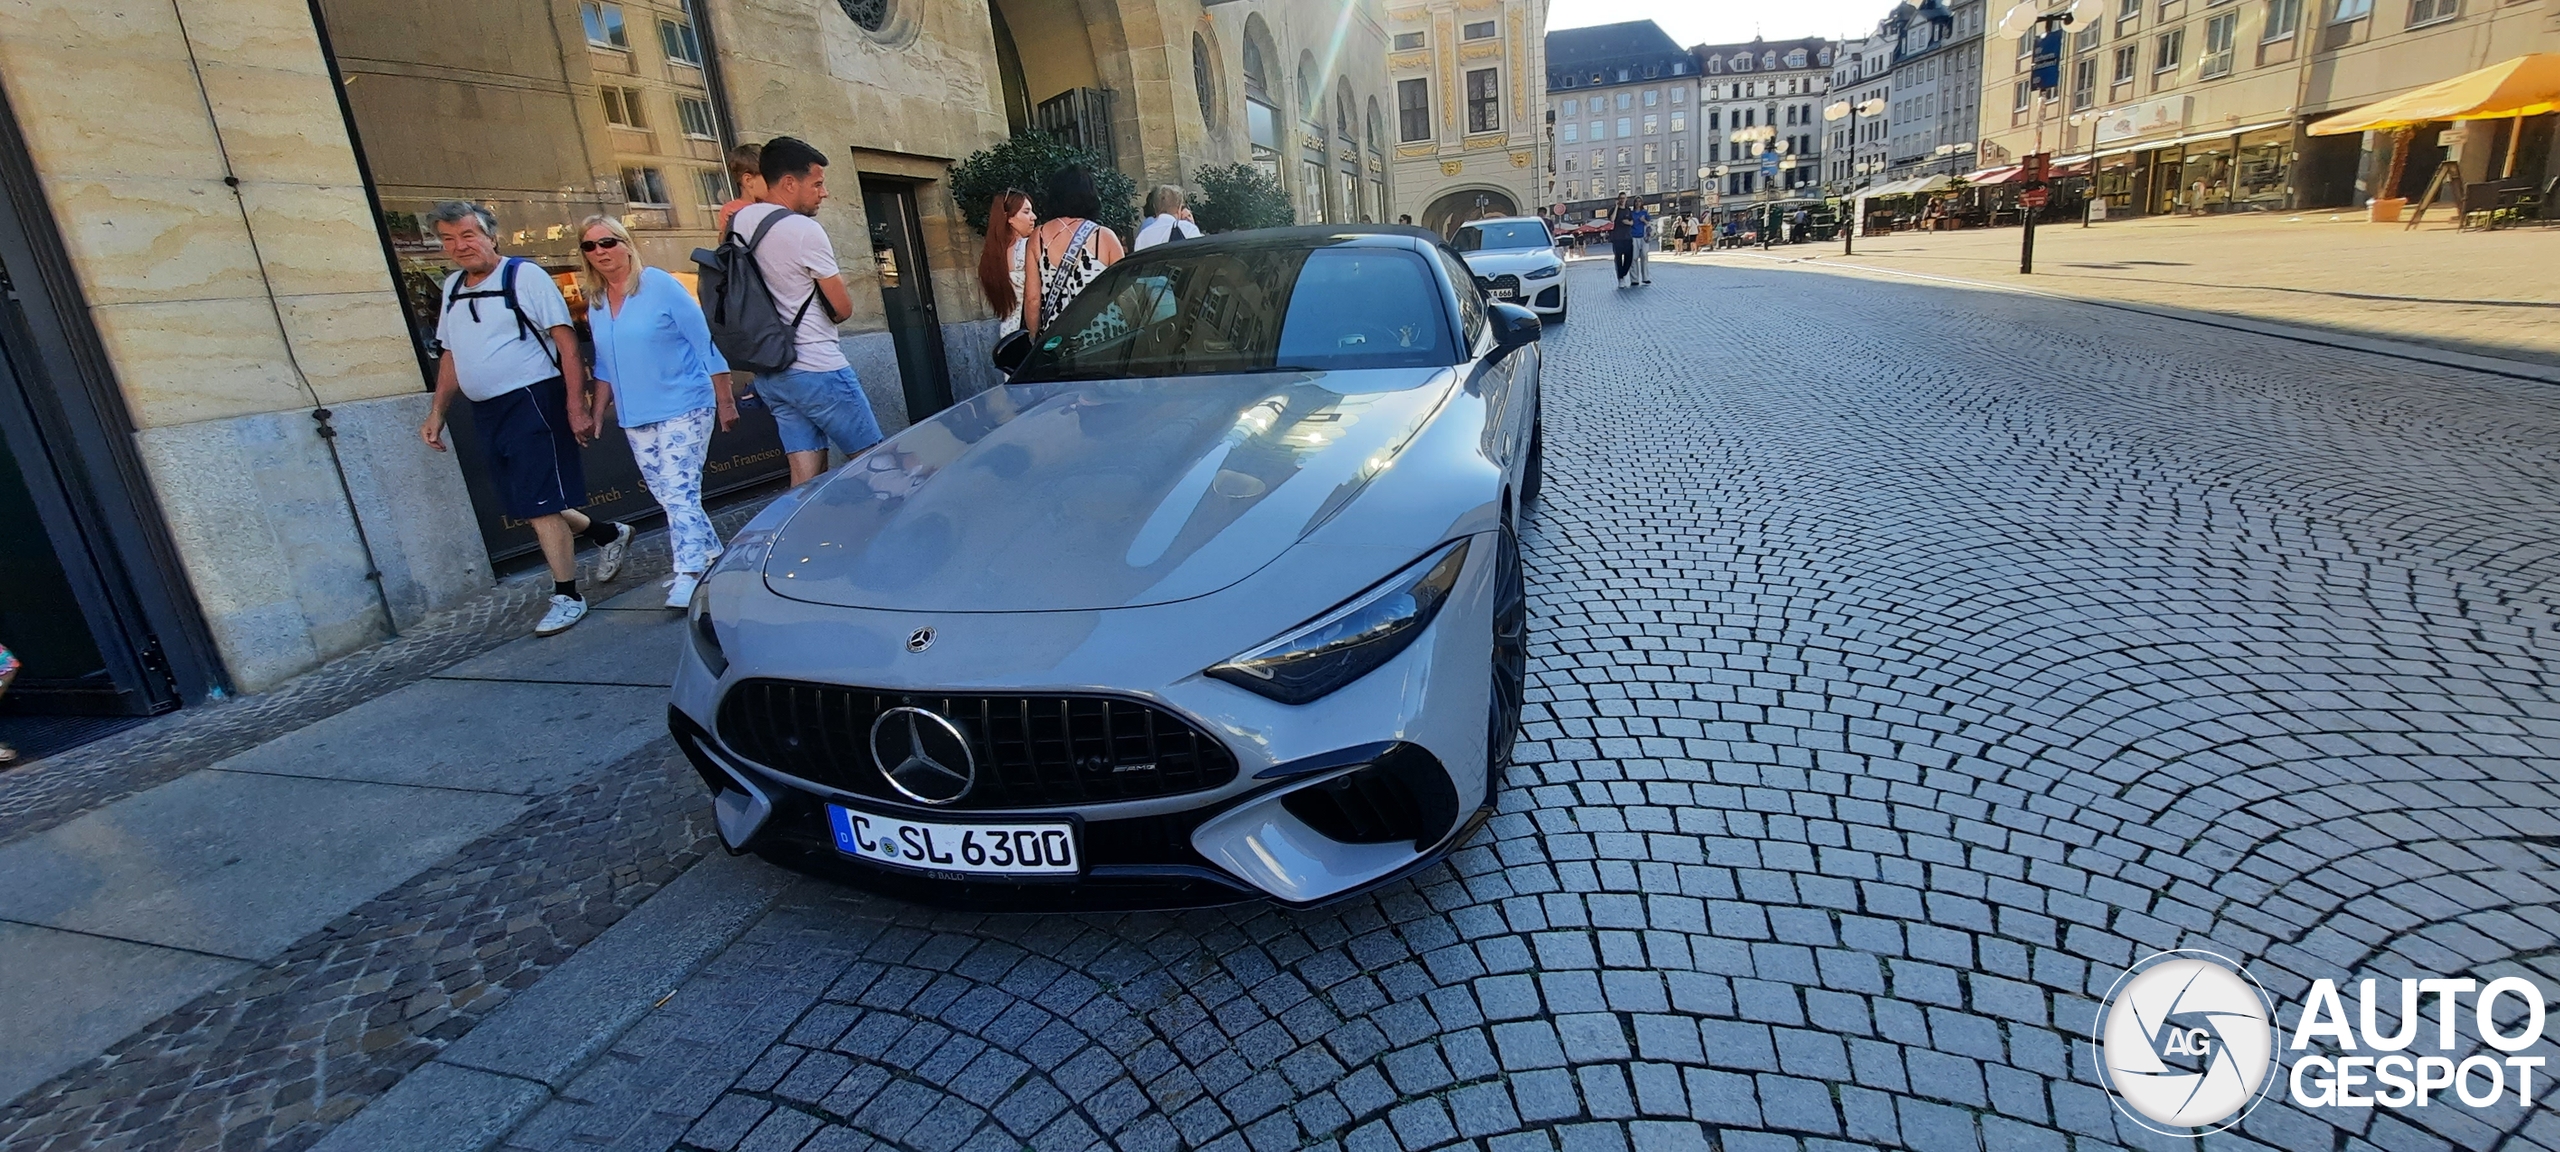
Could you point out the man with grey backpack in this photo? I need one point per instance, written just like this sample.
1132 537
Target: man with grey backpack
773 294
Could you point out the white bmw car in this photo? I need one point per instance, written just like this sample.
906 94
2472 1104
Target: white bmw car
1218 598
1515 260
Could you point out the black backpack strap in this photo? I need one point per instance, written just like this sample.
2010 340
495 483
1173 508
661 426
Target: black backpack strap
524 324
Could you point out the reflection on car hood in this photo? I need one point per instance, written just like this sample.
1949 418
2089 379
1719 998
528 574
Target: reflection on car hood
1103 494
1512 260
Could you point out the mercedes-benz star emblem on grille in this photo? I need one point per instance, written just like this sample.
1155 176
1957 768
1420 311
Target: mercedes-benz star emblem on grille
923 756
920 639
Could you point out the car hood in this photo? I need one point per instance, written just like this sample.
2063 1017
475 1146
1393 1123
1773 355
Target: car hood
1090 495
1514 261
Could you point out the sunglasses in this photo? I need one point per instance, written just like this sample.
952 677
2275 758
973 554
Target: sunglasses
607 242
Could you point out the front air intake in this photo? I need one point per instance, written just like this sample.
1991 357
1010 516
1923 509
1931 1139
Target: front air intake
1403 795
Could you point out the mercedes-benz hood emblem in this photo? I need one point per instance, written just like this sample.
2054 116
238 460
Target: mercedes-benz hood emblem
923 756
920 639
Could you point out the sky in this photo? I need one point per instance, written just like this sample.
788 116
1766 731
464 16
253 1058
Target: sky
1727 21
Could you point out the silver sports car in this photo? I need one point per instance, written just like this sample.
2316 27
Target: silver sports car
1218 598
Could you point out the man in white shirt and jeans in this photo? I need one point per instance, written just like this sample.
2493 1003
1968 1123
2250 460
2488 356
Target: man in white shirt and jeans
508 347
818 401
1167 219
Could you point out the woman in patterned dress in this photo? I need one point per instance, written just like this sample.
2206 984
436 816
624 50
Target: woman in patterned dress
657 367
1073 248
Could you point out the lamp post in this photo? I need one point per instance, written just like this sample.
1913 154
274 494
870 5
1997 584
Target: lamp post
1851 109
2046 77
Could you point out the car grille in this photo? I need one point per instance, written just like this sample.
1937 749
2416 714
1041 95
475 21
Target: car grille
1507 282
1031 751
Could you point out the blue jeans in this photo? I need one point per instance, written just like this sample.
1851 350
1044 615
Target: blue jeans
814 409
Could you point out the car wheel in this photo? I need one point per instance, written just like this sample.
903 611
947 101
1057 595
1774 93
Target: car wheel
1510 658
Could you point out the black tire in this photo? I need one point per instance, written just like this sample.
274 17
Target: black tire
1510 658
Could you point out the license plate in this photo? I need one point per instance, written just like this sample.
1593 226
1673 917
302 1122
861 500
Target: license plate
1035 849
1504 294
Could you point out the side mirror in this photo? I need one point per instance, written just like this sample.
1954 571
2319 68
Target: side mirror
1513 325
1011 352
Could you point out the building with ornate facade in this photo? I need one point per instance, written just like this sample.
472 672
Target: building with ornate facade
1934 106
211 226
1469 112
1862 75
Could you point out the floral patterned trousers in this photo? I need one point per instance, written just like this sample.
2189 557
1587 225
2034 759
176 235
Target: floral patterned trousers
670 453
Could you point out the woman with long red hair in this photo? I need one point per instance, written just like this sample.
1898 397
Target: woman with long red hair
1003 263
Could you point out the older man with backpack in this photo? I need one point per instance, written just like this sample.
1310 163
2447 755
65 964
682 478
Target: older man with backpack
773 295
509 349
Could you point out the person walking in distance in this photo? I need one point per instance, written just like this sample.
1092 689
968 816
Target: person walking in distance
508 348
818 401
1167 219
1073 248
654 357
1004 264
1622 236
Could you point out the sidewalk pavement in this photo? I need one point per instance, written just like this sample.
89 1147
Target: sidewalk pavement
254 943
2477 292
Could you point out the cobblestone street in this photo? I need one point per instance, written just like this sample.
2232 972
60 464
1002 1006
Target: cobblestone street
1907 660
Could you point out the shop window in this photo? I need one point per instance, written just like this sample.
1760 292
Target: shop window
1408 41
604 24
1480 30
695 115
622 107
1413 110
2219 35
680 43
2431 11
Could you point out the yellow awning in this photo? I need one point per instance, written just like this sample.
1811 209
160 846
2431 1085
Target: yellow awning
2528 85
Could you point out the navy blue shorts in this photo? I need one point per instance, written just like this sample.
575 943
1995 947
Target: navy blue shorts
533 457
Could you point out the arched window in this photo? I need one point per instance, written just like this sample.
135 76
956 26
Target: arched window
1200 80
1343 117
1377 129
1262 111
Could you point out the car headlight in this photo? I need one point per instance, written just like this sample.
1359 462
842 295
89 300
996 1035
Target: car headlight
1352 640
1549 272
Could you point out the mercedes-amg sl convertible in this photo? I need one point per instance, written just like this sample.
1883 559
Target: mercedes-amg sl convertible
1218 598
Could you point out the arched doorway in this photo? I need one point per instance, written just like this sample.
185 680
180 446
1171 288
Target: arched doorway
1455 208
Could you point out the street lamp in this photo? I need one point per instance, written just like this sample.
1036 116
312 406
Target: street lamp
1851 109
2045 77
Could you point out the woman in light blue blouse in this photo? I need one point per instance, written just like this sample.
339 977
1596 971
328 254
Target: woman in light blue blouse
655 360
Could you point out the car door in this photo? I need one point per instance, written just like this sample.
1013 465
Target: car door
1494 380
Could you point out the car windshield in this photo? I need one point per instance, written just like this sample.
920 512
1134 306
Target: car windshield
1493 234
1212 312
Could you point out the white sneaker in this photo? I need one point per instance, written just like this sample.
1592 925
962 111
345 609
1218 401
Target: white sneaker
680 593
565 611
609 556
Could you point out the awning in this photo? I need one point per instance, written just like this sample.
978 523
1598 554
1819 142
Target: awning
2528 85
2000 175
1911 186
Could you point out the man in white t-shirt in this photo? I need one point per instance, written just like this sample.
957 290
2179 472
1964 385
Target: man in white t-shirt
818 401
1167 219
509 349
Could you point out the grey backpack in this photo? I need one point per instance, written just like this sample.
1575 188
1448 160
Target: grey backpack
746 325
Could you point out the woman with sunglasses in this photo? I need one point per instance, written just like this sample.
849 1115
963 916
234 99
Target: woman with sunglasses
656 366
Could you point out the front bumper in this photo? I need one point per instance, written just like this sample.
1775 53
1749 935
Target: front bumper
1424 714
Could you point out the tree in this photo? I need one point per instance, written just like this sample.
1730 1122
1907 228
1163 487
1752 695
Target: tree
1026 162
1240 196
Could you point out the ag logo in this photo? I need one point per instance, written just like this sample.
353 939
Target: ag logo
2186 1042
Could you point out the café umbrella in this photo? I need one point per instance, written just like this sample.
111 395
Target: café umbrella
2527 85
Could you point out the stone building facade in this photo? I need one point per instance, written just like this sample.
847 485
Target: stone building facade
1857 152
213 380
1763 99
1628 109
1934 108
2188 106
1469 110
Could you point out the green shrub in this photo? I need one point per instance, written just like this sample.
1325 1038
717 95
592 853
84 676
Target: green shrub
1237 197
1026 162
